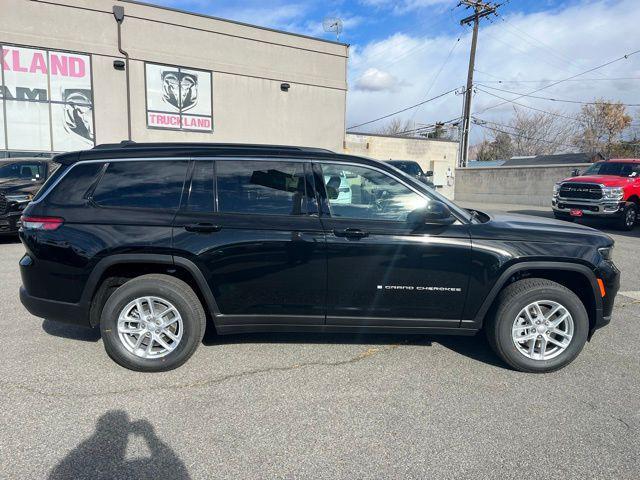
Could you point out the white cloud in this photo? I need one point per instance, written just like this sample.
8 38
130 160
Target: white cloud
405 6
374 80
574 39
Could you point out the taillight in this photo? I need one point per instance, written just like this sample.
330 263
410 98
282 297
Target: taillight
41 223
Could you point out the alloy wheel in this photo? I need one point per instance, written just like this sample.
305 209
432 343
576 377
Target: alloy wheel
150 327
542 330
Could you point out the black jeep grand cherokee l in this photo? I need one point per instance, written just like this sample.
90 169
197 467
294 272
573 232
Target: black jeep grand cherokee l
151 240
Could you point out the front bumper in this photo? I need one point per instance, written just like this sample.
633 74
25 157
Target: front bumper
10 223
591 208
610 276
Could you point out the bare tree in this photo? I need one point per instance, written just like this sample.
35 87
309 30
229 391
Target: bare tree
397 126
601 126
540 133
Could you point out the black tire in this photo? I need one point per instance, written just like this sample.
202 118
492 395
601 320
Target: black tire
628 219
180 295
509 304
564 216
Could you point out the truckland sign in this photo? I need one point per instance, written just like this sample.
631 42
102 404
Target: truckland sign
46 100
178 98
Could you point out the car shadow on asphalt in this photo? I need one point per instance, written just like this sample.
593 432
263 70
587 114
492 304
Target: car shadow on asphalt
474 347
104 454
9 239
72 332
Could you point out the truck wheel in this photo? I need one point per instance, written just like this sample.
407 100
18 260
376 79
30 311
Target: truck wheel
628 218
152 323
539 326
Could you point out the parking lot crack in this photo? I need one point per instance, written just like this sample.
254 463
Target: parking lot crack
367 354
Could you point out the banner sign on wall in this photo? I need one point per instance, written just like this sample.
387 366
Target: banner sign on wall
178 98
46 100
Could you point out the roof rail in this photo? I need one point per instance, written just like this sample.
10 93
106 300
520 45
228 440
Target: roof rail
188 145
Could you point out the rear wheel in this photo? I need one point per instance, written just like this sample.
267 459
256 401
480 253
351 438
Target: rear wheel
539 326
628 219
152 323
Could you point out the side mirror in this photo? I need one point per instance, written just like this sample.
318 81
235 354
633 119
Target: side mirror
575 172
428 173
435 213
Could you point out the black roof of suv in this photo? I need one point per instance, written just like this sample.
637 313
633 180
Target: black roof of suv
150 240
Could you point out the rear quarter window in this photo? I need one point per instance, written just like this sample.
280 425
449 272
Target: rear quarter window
141 184
72 188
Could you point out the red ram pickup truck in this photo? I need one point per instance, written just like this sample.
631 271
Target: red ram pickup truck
609 189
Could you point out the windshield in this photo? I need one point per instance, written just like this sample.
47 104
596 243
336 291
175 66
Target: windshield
22 170
411 168
620 169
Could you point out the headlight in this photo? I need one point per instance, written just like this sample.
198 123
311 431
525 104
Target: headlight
556 189
606 253
613 193
22 198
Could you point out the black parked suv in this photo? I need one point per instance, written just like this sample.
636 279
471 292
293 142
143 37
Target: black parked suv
413 169
20 180
151 241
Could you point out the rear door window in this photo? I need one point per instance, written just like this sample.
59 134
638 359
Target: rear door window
142 184
262 187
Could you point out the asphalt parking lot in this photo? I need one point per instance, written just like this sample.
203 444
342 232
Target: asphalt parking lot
317 406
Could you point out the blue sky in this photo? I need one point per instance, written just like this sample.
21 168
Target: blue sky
405 51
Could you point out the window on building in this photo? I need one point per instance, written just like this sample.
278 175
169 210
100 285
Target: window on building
367 194
142 184
46 100
261 187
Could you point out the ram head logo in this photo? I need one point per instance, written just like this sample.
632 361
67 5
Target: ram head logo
179 89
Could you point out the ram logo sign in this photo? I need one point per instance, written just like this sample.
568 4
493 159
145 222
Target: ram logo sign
178 98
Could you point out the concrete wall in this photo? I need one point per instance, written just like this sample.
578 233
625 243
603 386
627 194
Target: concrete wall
248 64
431 154
515 185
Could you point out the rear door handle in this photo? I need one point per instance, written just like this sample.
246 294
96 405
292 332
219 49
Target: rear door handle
202 227
351 233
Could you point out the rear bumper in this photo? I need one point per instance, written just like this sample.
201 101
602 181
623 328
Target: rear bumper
72 313
590 208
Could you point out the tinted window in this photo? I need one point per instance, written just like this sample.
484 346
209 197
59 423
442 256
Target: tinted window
23 170
201 189
621 169
73 187
142 184
272 188
364 193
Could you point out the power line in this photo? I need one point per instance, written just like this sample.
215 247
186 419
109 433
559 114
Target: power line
623 57
429 126
480 10
526 137
553 99
547 80
403 110
506 100
435 78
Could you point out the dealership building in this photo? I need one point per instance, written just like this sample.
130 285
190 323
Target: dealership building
66 85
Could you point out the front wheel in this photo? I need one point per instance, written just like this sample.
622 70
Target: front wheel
628 218
539 326
152 323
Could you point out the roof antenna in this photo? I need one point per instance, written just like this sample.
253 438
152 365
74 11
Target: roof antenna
333 24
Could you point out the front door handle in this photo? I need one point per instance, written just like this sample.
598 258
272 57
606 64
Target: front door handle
351 233
202 227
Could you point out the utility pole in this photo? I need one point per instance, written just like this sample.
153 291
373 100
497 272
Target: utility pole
481 9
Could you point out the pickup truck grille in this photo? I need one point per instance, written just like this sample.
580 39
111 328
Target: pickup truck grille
3 204
586 191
